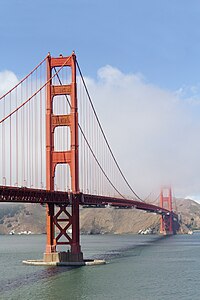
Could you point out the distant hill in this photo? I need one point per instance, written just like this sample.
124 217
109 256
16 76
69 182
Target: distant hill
31 217
190 213
22 217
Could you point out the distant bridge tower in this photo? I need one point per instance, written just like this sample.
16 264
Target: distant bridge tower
166 221
59 222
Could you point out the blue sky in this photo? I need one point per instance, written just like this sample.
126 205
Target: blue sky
160 39
149 49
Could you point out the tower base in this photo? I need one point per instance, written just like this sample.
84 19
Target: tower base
66 257
166 232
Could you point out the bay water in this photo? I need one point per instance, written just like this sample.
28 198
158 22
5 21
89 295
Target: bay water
146 267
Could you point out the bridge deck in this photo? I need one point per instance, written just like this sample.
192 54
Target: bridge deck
29 195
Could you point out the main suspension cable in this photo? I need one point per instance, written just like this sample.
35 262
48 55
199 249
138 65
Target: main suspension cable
87 142
103 133
25 102
21 81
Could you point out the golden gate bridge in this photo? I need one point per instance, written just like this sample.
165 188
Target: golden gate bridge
54 151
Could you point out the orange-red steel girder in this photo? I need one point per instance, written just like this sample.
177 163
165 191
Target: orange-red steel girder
60 120
57 90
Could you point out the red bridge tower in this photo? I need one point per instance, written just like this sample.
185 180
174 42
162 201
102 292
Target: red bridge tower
166 222
60 220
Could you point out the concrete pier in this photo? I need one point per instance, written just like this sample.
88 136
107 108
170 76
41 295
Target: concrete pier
63 256
59 264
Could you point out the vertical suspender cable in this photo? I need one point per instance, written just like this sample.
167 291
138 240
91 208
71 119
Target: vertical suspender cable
10 125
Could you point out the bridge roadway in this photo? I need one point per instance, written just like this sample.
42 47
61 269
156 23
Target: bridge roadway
30 195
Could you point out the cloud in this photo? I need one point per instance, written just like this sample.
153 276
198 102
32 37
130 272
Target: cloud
190 94
153 132
7 80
